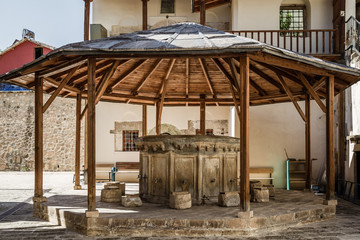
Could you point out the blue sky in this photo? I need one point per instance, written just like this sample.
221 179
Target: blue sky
55 22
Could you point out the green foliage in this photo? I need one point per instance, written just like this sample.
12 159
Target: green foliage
285 21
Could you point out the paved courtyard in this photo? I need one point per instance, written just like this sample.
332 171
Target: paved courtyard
16 221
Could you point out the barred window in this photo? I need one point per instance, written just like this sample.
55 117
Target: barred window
207 132
292 18
167 6
129 137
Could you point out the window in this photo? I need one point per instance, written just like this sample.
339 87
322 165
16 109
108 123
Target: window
292 18
167 6
129 137
207 132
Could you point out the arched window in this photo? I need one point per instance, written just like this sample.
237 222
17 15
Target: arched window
293 15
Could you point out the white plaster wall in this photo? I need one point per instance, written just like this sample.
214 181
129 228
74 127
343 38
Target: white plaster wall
264 14
109 113
129 13
278 126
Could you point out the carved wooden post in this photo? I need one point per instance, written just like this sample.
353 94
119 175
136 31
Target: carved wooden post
38 192
308 161
144 14
244 138
330 143
87 19
202 115
77 142
202 12
91 212
144 120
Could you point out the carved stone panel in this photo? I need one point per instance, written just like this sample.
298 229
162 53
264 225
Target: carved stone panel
230 173
184 174
144 174
159 180
211 176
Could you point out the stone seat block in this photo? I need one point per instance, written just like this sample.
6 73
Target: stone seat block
254 184
131 201
116 184
111 195
261 194
271 189
180 200
229 199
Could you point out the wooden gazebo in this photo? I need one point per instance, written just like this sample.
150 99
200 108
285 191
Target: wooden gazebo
182 65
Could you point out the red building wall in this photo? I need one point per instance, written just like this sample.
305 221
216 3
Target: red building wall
18 56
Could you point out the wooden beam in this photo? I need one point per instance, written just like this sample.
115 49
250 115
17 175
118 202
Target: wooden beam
187 78
202 12
165 80
289 64
235 75
77 142
56 84
144 14
147 76
288 92
202 116
225 72
319 84
330 140
91 135
244 134
308 161
312 92
237 107
38 137
144 120
61 68
58 90
261 91
341 143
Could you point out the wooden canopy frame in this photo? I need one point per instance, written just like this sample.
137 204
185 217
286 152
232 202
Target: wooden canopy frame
182 65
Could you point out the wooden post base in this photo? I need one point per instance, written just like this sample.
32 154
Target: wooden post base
92 214
77 187
245 215
39 199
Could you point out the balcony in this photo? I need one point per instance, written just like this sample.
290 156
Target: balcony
318 42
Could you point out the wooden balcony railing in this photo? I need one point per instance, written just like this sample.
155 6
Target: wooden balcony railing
320 42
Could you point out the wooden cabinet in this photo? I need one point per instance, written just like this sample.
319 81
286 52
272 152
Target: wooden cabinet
296 175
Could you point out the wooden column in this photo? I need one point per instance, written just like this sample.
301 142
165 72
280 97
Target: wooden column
87 19
244 134
341 143
202 12
77 142
144 14
144 120
158 118
91 139
38 193
308 161
202 115
330 143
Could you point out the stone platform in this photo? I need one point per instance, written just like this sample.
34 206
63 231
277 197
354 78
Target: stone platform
288 208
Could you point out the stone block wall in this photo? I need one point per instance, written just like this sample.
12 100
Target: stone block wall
17 133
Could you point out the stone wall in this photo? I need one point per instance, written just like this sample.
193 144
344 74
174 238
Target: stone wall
17 133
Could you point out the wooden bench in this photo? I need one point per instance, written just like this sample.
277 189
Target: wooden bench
265 170
103 171
128 166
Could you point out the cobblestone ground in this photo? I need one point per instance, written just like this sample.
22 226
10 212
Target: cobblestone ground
16 191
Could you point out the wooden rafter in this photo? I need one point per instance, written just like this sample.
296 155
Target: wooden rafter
319 84
266 77
63 67
126 74
312 92
235 74
288 92
207 76
224 71
147 76
58 90
83 74
165 80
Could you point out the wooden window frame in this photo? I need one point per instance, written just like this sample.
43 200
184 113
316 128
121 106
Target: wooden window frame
131 140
